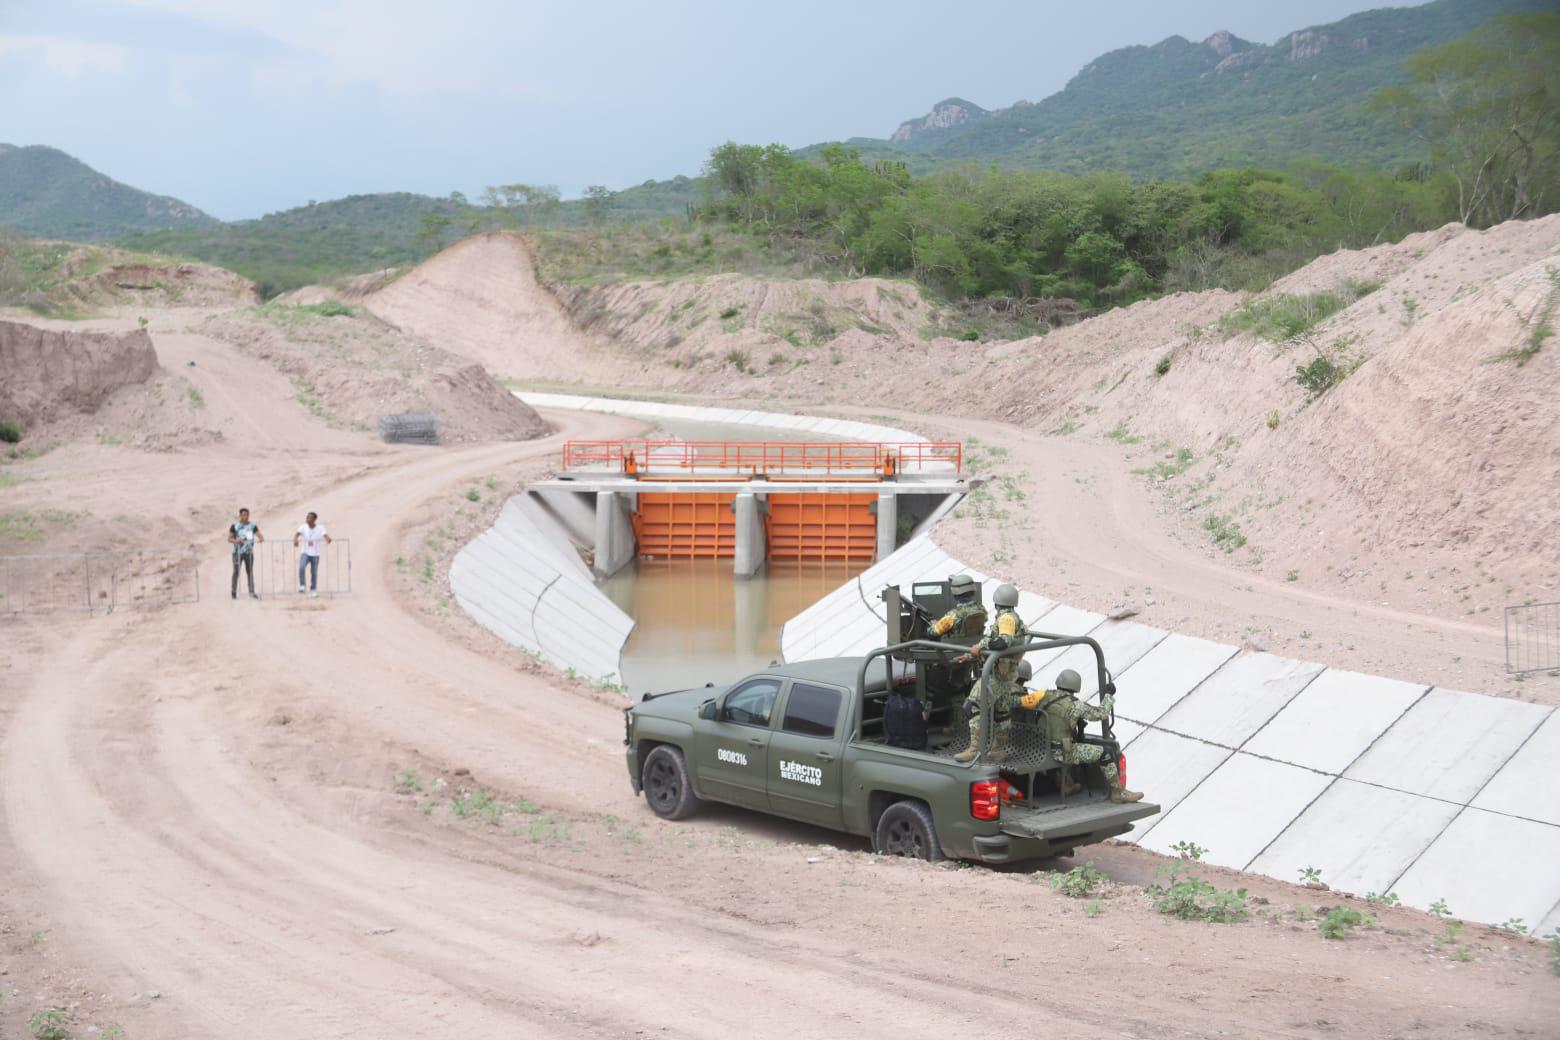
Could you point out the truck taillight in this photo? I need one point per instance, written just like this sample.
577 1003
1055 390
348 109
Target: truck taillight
985 800
1121 769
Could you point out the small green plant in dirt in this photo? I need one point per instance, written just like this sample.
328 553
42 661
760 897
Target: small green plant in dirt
525 807
473 495
407 782
729 313
478 803
10 432
1272 419
1554 951
112 1031
1225 531
1173 465
738 359
1514 925
546 829
1180 893
1292 576
1382 898
1093 908
1462 953
1310 876
197 400
1340 922
1079 881
1450 935
1189 850
1162 366
1535 342
1440 909
49 1024
427 569
1122 435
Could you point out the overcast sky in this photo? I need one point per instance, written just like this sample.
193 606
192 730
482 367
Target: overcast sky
243 107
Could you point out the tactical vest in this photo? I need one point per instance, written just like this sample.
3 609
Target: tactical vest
1058 719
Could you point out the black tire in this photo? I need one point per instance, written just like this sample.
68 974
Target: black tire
668 791
906 829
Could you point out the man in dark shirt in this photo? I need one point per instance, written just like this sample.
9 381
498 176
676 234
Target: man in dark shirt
242 536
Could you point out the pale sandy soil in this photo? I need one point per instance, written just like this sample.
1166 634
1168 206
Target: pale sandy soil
205 829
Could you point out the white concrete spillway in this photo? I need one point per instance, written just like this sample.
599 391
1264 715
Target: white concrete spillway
1275 765
1270 763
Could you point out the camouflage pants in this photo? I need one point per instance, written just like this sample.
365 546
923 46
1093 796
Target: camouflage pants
1088 754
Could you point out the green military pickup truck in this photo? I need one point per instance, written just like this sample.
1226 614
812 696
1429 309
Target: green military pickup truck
807 741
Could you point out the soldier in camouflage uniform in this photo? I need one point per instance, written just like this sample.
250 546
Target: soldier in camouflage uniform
1007 628
966 601
1064 699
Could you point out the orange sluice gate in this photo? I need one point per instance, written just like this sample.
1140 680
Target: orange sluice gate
821 527
689 527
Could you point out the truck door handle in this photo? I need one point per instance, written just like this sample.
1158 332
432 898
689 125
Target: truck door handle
824 756
755 742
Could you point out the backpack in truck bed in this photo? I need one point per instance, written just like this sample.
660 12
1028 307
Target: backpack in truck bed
904 723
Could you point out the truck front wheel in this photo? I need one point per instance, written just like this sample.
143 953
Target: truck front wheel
666 784
906 829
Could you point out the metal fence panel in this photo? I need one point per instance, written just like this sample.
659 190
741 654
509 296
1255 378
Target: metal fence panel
276 569
1533 638
45 583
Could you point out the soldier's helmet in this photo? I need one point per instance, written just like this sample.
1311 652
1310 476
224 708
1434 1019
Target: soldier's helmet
1025 672
1069 680
962 586
1005 596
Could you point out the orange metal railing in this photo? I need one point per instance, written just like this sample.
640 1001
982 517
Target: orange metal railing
764 458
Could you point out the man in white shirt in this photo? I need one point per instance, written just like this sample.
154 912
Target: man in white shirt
309 540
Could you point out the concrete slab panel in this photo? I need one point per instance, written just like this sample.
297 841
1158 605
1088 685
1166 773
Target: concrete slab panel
1126 732
1032 606
1360 837
1123 643
1166 768
1525 785
1060 620
1488 868
1148 687
1472 737
1238 810
1237 700
1334 719
1549 925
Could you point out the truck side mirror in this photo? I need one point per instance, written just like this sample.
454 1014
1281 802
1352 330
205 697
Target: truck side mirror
707 711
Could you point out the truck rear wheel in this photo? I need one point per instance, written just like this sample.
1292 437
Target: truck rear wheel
667 787
906 829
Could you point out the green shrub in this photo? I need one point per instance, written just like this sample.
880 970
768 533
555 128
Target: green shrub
1282 317
49 1024
738 359
1079 881
329 309
1554 951
1225 531
1162 368
1180 893
10 432
1341 921
729 313
1319 376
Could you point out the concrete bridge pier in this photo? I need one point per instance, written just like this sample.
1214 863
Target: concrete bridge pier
887 509
614 532
750 548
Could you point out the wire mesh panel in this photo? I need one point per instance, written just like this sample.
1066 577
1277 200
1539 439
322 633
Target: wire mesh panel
1533 637
103 580
276 570
409 428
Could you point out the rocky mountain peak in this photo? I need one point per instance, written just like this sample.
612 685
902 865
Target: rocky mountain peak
945 115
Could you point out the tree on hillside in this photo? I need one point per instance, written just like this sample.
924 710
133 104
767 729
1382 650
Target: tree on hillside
431 232
598 204
517 204
1488 105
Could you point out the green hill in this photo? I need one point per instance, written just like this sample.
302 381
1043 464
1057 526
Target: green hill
48 194
1180 108
325 240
